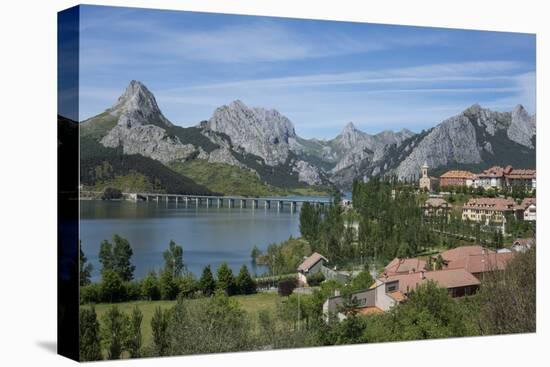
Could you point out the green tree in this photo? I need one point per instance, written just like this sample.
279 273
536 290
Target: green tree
106 256
149 287
117 257
90 341
310 221
508 298
159 327
168 285
255 253
114 332
363 280
134 340
112 287
244 282
207 284
85 269
225 279
122 254
173 260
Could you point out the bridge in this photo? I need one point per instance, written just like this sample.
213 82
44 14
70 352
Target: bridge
219 201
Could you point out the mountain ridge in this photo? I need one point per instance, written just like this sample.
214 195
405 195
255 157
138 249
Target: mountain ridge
265 142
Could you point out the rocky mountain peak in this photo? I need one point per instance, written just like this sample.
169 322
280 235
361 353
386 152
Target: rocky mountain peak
137 106
263 132
522 127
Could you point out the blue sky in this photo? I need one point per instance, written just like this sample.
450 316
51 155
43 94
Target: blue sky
320 74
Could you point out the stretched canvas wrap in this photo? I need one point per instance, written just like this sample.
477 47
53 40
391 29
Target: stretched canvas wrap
237 183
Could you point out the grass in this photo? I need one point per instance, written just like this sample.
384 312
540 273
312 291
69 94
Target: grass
249 303
132 182
232 180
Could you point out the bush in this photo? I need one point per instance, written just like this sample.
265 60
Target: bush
133 291
90 293
315 279
286 287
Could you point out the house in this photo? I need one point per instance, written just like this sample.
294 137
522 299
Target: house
390 290
492 178
316 263
486 210
523 244
404 266
310 265
426 182
436 207
456 178
479 265
527 210
459 253
522 177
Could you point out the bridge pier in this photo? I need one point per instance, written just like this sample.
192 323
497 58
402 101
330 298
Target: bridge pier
280 205
267 204
231 203
220 202
243 203
293 206
254 204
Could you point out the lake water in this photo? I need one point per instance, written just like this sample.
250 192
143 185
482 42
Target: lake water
209 236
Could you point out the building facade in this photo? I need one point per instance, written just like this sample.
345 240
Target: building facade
456 178
487 210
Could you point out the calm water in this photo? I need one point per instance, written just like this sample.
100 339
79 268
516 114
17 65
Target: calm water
208 235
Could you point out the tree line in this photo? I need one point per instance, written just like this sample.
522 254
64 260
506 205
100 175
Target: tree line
117 283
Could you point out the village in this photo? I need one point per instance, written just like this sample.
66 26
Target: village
460 270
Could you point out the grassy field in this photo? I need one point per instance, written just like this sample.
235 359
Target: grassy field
232 180
251 304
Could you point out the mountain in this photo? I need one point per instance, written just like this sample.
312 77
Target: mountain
263 143
474 139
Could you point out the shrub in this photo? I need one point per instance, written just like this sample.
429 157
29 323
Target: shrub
315 279
90 293
286 287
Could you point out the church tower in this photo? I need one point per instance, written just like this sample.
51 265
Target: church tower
425 182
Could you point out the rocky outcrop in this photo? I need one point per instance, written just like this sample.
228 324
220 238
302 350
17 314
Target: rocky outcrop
148 140
453 141
137 106
354 146
523 127
265 133
307 173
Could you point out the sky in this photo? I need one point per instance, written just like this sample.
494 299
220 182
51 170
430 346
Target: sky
320 74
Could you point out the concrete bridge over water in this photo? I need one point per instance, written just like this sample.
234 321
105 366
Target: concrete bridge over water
220 201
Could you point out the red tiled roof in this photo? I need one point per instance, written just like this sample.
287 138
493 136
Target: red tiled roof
398 265
526 203
483 263
457 174
462 252
446 278
525 174
311 261
498 204
495 171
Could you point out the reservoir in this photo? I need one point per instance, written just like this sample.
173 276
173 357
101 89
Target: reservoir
209 236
